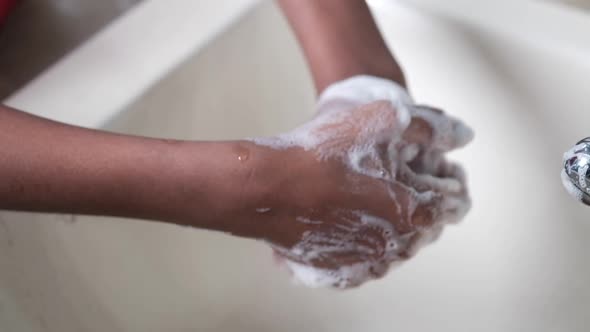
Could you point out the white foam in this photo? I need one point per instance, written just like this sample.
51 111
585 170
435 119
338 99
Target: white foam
449 133
308 221
316 245
364 89
343 277
358 141
409 152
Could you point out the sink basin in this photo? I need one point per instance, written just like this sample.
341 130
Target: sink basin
516 263
40 32
579 4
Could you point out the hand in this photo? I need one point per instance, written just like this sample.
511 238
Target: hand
361 188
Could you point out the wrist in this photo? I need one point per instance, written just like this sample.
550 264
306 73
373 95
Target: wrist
379 63
220 185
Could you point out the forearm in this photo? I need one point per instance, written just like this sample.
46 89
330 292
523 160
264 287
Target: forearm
51 167
340 39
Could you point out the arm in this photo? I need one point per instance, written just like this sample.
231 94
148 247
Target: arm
52 167
340 39
337 201
315 207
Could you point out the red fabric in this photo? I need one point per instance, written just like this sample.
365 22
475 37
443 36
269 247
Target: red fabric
5 7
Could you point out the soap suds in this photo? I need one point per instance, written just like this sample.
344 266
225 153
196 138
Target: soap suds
368 140
308 221
449 134
380 252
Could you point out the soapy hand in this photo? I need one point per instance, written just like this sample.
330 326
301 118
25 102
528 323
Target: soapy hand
368 186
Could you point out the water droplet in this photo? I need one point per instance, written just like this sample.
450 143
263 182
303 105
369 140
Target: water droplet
243 153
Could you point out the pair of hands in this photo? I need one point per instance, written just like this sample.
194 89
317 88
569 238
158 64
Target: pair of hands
359 187
363 186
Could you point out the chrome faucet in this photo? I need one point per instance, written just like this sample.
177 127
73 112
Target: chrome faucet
576 171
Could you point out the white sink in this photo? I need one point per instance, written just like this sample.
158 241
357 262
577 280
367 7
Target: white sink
40 32
518 262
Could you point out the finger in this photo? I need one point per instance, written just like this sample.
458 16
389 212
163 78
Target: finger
419 132
427 211
450 200
431 127
454 208
453 170
444 183
427 161
430 200
420 239
415 209
452 205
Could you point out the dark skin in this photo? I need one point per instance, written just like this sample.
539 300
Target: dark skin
53 167
340 39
